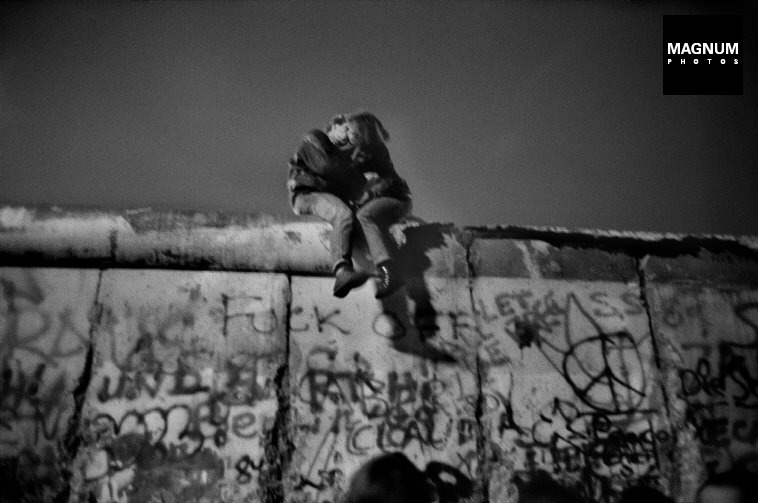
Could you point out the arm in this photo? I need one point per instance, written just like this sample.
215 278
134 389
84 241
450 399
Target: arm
315 154
376 164
300 177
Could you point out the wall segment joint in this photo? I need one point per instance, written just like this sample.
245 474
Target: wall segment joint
72 439
467 240
643 284
277 455
546 326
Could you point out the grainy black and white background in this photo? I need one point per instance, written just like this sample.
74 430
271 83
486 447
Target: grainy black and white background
528 113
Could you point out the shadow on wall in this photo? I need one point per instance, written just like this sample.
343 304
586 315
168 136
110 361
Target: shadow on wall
412 262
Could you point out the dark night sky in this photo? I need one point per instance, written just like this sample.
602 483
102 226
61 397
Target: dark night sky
525 113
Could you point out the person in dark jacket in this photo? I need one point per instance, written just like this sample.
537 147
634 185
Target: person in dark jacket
323 182
542 488
643 494
389 478
387 198
737 485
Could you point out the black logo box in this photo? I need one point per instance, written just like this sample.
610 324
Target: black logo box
702 78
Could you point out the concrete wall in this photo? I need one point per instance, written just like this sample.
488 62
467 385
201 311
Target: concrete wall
202 358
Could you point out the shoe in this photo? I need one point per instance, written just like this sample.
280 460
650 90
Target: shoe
346 280
388 282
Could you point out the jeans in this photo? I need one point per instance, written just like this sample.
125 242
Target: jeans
375 218
332 209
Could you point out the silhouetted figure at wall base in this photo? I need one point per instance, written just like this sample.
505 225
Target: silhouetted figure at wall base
733 486
643 494
390 478
393 478
345 175
542 488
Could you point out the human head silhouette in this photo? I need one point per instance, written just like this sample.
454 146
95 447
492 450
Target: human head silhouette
389 478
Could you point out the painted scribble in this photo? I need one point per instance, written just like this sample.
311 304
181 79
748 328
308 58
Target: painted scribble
586 408
581 410
551 376
44 339
357 392
718 376
182 399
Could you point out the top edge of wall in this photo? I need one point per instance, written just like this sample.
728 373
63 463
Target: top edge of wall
147 238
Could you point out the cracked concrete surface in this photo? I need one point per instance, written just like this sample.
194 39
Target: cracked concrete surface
203 358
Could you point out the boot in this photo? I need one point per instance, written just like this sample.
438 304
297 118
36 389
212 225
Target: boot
347 279
389 281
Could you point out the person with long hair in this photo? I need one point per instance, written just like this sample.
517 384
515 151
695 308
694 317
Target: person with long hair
386 199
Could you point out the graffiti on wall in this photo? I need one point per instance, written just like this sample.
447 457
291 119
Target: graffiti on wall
569 388
573 370
568 385
353 411
43 345
718 376
184 409
44 340
357 393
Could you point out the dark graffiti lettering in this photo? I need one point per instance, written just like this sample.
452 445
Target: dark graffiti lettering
576 441
674 313
399 413
243 376
152 427
261 321
720 387
543 313
66 341
297 311
243 425
507 422
245 467
745 431
390 435
731 379
318 386
26 396
715 427
143 372
323 320
187 381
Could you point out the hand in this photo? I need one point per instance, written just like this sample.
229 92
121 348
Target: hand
363 198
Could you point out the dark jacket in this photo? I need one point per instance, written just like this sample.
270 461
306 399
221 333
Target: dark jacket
377 160
320 166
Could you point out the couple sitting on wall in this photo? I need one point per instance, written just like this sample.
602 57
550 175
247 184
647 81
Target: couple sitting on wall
345 176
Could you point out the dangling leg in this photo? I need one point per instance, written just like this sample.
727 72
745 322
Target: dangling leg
375 218
332 209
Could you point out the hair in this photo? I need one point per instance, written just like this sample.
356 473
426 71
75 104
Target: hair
451 484
542 488
335 121
389 478
369 129
643 494
738 479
